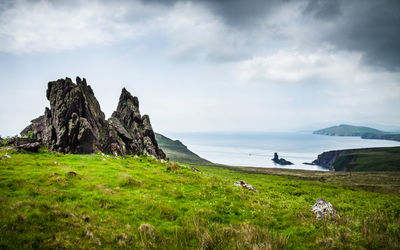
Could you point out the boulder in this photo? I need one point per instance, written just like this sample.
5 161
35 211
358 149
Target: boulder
280 161
245 185
17 141
74 123
30 147
195 169
323 209
6 156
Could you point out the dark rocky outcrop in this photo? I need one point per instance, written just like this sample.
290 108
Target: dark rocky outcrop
134 132
75 123
280 161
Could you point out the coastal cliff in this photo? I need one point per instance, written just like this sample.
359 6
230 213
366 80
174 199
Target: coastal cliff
327 159
364 159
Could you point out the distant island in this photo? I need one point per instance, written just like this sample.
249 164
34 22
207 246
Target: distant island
363 132
280 161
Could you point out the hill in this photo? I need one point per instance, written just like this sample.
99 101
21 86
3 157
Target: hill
347 130
178 152
52 200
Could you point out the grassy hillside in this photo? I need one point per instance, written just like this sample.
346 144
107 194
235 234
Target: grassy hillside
347 130
373 159
178 152
87 201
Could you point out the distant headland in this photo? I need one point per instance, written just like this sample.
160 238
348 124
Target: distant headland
363 132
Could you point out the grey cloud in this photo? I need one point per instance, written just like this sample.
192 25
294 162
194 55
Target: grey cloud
368 26
371 27
239 13
323 9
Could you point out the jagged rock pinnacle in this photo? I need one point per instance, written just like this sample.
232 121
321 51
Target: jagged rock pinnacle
75 123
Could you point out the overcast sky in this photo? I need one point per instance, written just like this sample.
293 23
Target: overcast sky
239 65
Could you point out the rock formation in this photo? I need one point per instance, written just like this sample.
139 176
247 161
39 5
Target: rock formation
280 161
75 123
133 131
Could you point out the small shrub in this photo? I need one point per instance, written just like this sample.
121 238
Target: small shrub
31 135
129 181
106 204
173 166
149 237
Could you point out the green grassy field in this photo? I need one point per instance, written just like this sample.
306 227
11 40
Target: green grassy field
380 182
87 201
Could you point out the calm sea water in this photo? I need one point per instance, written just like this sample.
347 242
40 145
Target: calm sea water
257 149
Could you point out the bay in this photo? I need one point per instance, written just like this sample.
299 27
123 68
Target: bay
257 149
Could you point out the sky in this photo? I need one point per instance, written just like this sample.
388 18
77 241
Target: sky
238 65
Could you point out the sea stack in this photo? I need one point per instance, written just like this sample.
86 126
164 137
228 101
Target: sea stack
75 124
280 161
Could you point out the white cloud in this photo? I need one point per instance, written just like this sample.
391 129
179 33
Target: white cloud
191 29
32 26
296 66
195 32
324 85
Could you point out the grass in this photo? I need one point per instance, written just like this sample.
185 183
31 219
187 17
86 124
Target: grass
87 201
379 182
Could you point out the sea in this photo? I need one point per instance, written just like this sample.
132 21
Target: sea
257 149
